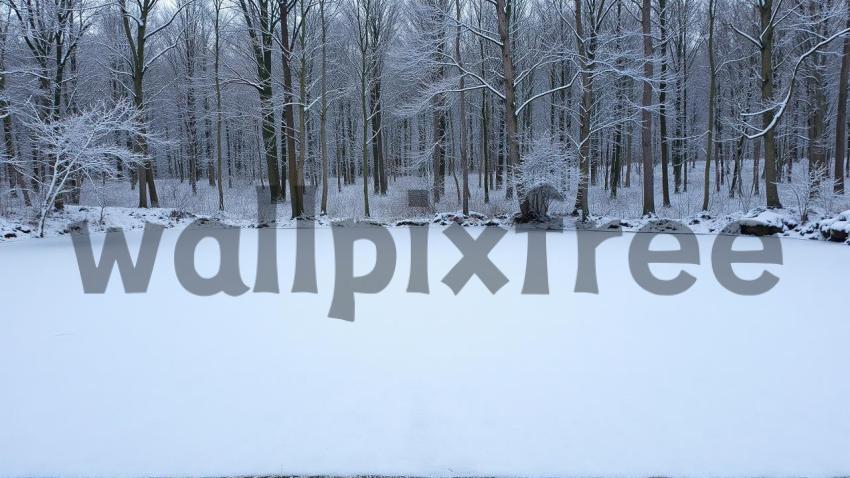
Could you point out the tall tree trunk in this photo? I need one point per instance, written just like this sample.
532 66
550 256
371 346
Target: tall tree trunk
503 14
295 186
620 99
211 164
503 17
261 46
192 124
464 167
380 172
218 126
841 113
16 178
766 16
438 124
646 114
662 108
323 137
303 93
485 128
712 92
585 115
144 172
364 110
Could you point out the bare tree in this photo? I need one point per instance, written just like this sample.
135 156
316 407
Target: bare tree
712 99
16 177
662 105
841 111
139 30
646 113
463 140
259 19
217 7
323 113
362 11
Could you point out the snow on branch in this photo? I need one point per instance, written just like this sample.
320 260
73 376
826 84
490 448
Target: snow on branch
81 146
782 106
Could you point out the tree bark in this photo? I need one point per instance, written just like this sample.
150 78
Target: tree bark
712 94
662 107
295 186
841 113
646 114
261 46
218 5
585 115
323 136
503 14
765 10
464 167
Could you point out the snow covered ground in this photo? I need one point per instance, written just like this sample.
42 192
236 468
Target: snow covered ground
623 383
241 204
113 204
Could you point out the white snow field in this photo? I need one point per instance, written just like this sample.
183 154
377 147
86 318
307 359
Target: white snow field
623 383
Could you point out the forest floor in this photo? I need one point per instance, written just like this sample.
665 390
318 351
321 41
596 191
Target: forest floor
112 205
619 383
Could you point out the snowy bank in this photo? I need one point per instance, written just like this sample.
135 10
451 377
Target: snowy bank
758 222
837 229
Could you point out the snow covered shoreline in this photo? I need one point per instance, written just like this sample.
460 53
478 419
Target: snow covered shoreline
782 223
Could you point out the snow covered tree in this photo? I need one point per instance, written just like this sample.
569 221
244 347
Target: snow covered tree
82 144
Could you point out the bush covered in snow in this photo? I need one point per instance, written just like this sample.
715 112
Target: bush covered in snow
542 177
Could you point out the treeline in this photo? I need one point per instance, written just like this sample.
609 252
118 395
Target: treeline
523 98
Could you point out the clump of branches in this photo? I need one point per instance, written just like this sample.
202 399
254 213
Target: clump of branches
815 188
